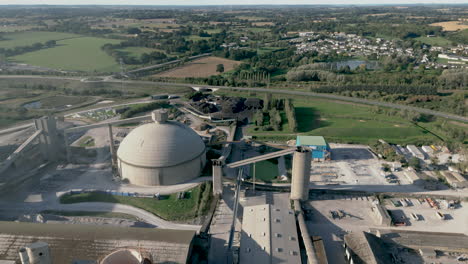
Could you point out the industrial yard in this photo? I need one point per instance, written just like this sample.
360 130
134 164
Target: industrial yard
183 163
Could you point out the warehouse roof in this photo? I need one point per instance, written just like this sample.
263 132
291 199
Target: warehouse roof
310 141
269 235
160 145
69 242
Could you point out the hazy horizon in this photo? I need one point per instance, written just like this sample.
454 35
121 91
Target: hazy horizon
229 2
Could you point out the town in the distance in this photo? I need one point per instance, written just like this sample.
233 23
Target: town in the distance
226 134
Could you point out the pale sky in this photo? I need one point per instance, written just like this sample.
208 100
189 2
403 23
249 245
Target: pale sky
225 2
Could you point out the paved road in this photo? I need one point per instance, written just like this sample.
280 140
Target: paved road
166 63
32 208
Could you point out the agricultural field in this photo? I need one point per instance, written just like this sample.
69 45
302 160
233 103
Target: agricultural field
77 54
158 23
15 28
451 25
251 18
262 24
19 39
197 38
264 50
203 67
435 41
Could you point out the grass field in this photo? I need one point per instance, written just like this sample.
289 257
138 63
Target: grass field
58 101
10 28
257 30
203 67
169 208
265 171
28 38
92 214
262 24
197 38
264 50
87 141
344 122
78 54
250 18
451 25
435 41
213 31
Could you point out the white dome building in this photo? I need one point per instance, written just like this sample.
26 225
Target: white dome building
161 153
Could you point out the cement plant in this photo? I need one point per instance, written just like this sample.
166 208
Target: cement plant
233 134
81 191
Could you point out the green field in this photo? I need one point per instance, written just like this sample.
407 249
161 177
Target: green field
87 141
265 171
264 50
435 41
344 122
195 203
257 30
78 54
92 214
197 38
138 51
213 31
15 28
28 38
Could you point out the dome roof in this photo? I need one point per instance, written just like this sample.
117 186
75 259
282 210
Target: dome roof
162 144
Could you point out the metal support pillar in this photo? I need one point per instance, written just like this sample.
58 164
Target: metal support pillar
254 178
112 147
67 147
217 177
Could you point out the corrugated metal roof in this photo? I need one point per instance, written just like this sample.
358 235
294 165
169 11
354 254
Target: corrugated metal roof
311 141
160 145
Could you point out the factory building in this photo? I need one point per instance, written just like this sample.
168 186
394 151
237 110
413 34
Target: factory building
415 151
92 244
269 235
318 145
381 215
161 153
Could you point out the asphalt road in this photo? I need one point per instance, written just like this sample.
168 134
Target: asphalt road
34 208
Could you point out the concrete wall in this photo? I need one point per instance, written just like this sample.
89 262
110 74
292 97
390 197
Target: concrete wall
164 175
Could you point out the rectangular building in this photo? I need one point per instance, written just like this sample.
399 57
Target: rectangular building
70 243
415 151
318 145
381 214
269 235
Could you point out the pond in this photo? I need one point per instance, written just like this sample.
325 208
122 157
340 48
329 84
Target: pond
33 105
353 64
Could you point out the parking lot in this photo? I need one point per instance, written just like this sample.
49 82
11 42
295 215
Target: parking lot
350 164
354 216
420 216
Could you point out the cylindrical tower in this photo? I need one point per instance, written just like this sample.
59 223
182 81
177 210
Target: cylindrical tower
301 174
